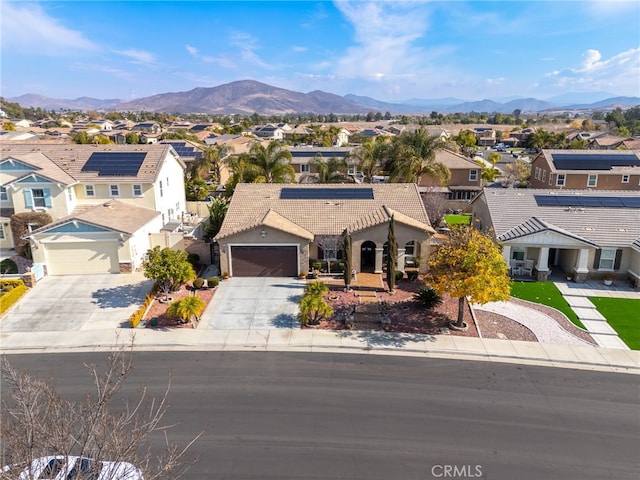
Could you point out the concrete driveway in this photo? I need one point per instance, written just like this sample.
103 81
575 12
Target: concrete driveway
243 303
78 302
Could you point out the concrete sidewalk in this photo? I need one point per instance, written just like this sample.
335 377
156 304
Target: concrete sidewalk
309 340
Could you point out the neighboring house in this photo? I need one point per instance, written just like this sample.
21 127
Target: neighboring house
485 136
607 142
146 127
188 151
586 169
16 136
275 229
466 176
585 233
138 188
272 132
301 158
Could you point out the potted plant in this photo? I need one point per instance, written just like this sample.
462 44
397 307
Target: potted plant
608 280
303 275
225 275
569 276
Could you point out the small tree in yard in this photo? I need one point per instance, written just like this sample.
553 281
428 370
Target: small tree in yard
186 308
469 264
313 308
169 268
37 421
392 254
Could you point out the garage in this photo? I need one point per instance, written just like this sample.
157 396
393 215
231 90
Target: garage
82 258
264 261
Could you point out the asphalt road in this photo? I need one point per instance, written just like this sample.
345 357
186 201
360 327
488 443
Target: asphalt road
329 416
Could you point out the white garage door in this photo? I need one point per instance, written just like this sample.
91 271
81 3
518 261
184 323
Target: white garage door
82 257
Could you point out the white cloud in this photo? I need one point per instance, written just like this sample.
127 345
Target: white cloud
137 56
221 61
192 50
248 45
618 74
299 49
27 28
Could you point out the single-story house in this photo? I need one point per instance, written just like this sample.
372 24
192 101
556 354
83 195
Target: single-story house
587 234
277 229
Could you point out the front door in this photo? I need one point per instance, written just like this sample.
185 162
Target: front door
368 256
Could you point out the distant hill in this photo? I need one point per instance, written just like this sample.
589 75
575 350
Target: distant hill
48 103
243 97
248 96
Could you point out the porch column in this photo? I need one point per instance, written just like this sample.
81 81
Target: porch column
542 266
378 264
400 260
581 269
506 253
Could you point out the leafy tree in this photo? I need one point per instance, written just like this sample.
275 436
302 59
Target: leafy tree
392 254
81 137
466 140
169 268
38 421
371 155
217 212
313 308
9 126
413 155
271 164
132 138
196 189
187 308
518 172
333 170
212 159
468 264
494 158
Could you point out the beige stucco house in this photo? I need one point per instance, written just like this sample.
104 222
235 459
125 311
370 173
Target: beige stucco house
276 230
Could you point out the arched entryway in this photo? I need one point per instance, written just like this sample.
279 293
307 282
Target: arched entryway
368 256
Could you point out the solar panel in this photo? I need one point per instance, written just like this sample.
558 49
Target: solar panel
586 201
594 161
115 164
296 193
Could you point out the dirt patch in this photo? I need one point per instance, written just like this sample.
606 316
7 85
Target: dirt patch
158 308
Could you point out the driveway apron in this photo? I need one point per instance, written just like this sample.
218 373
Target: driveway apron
243 303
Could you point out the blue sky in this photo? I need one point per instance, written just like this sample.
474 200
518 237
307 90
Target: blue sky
392 51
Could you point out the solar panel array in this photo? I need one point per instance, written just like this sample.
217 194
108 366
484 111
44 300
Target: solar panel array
594 161
312 153
184 150
294 193
579 201
115 164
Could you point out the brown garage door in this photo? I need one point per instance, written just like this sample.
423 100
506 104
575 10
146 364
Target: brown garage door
264 261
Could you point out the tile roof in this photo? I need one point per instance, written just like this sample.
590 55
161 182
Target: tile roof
41 164
252 202
454 160
67 160
515 210
588 160
113 214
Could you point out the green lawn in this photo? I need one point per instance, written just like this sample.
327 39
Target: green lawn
457 219
623 314
545 293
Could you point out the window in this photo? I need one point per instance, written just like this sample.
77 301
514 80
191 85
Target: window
550 178
3 193
517 253
304 168
160 187
167 181
607 259
89 191
351 170
625 178
537 174
592 181
38 197
473 175
137 190
115 190
560 180
70 194
544 175
2 237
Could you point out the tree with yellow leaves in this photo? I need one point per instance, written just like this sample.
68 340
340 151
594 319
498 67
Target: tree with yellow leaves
469 264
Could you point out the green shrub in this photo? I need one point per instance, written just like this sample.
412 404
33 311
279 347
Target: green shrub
427 298
316 289
412 275
8 298
316 265
198 283
313 308
213 282
8 267
399 275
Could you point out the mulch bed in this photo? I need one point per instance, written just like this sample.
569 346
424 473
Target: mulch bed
159 309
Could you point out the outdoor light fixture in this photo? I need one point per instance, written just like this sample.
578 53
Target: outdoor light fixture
263 233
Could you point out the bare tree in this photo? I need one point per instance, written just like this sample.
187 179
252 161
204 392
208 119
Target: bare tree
435 203
330 244
38 422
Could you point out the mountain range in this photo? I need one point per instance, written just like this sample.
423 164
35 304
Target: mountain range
248 96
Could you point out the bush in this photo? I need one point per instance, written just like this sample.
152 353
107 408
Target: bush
213 282
198 283
316 288
316 265
137 317
399 275
193 258
313 308
8 267
412 275
427 298
8 298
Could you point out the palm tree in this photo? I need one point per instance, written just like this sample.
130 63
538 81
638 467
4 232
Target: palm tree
333 170
413 155
187 308
371 155
212 159
271 164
